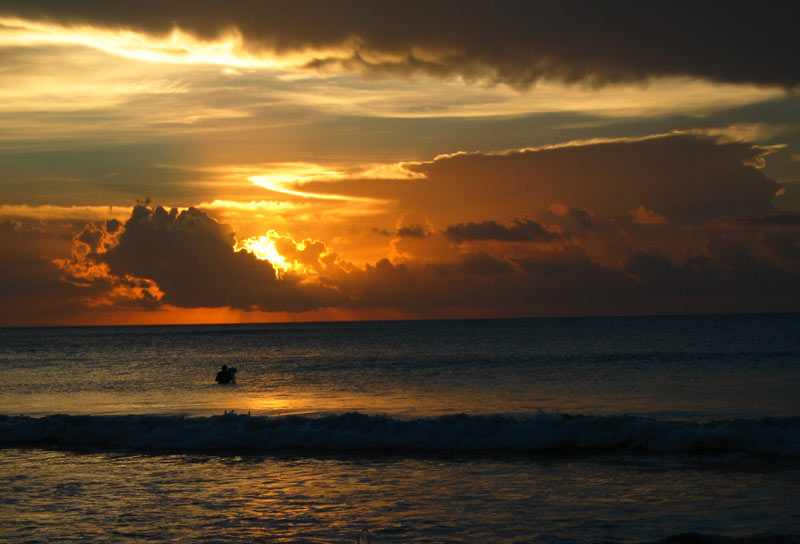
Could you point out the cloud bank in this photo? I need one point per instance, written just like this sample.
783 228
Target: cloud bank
670 224
519 230
517 43
190 257
683 179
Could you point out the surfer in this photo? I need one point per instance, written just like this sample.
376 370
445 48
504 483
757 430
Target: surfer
226 375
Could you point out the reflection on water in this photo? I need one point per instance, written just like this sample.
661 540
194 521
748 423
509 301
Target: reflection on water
692 368
714 367
197 498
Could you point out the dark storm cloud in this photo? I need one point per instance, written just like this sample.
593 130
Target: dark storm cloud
658 276
32 289
483 264
519 230
775 219
190 256
727 277
516 41
687 179
784 244
187 260
732 273
415 231
377 231
582 217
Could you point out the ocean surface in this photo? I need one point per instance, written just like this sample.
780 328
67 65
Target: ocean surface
521 430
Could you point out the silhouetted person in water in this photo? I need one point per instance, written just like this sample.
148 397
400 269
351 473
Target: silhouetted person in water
226 375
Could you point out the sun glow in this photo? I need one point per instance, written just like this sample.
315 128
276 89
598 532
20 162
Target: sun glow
289 175
47 212
176 47
307 258
271 184
263 247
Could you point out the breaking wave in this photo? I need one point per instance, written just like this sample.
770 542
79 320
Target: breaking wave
542 432
698 538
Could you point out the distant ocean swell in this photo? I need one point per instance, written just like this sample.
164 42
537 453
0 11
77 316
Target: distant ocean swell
542 432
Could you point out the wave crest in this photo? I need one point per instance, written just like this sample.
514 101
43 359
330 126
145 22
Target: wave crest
541 432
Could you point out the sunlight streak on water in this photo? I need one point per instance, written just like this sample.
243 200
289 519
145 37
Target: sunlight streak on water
198 498
688 368
403 477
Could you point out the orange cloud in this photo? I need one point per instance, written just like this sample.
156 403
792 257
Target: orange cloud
644 216
687 178
191 258
413 225
551 231
308 257
33 289
520 229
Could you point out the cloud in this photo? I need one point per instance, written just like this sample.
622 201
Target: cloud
772 219
783 243
559 230
413 225
517 44
657 276
377 231
644 216
581 218
687 178
100 287
190 258
308 257
483 264
49 212
725 278
32 287
520 229
169 259
411 232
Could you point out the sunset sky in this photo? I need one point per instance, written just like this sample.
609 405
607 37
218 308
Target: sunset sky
209 161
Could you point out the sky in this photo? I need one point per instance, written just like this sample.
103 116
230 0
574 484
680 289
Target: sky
213 162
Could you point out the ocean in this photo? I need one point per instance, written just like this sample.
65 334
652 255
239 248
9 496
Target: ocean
581 430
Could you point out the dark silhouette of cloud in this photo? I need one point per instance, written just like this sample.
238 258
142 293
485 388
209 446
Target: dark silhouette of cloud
483 264
413 225
517 42
656 275
686 178
592 257
415 231
722 246
773 219
582 217
520 229
783 243
32 287
725 276
190 257
571 283
186 259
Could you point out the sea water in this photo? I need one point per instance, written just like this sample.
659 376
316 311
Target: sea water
522 430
